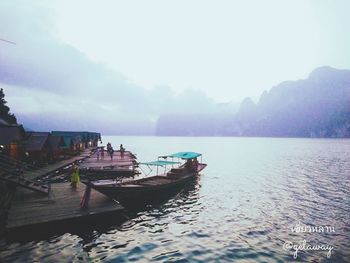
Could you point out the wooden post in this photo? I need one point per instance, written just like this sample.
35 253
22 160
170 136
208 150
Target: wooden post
49 189
85 200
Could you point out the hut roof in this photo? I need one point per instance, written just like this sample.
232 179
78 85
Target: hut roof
95 136
37 140
56 142
68 141
11 133
77 139
84 135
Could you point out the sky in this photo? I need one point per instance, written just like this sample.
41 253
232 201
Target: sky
228 49
128 62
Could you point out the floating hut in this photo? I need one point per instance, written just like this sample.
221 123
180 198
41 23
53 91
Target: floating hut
11 139
38 147
57 145
79 141
49 203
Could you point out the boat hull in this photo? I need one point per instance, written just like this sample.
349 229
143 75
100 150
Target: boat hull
134 194
106 174
147 189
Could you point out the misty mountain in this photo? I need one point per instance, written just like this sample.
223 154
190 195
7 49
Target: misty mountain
214 122
318 106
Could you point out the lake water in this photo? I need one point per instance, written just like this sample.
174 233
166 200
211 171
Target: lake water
242 209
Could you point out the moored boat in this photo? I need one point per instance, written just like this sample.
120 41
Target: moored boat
148 188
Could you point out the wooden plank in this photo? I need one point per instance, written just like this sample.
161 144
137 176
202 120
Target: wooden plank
155 181
126 162
56 166
29 209
150 183
26 184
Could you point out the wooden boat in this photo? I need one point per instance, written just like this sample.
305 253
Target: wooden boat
152 187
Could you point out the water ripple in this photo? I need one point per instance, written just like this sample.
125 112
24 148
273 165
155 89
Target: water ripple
242 209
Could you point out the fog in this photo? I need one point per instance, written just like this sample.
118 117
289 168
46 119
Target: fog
117 70
52 85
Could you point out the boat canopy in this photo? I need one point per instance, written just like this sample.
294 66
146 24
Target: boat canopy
184 155
159 163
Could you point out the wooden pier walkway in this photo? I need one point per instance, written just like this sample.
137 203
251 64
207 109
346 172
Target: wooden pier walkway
125 162
32 209
48 169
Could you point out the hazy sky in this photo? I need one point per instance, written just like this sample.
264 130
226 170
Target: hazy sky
228 49
127 62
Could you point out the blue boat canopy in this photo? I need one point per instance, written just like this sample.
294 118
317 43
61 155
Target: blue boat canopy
159 163
184 155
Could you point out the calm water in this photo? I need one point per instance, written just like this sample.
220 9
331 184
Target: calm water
242 209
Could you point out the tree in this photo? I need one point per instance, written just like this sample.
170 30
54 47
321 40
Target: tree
5 110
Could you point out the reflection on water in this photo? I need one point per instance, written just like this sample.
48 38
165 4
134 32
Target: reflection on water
242 208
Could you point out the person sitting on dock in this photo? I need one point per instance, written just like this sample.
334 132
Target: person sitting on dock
122 150
75 178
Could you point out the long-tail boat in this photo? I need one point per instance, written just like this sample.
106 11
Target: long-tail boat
178 175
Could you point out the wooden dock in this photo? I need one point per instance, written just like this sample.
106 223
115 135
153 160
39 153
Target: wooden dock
30 209
48 169
125 162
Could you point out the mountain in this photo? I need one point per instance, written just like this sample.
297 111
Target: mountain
318 106
214 122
